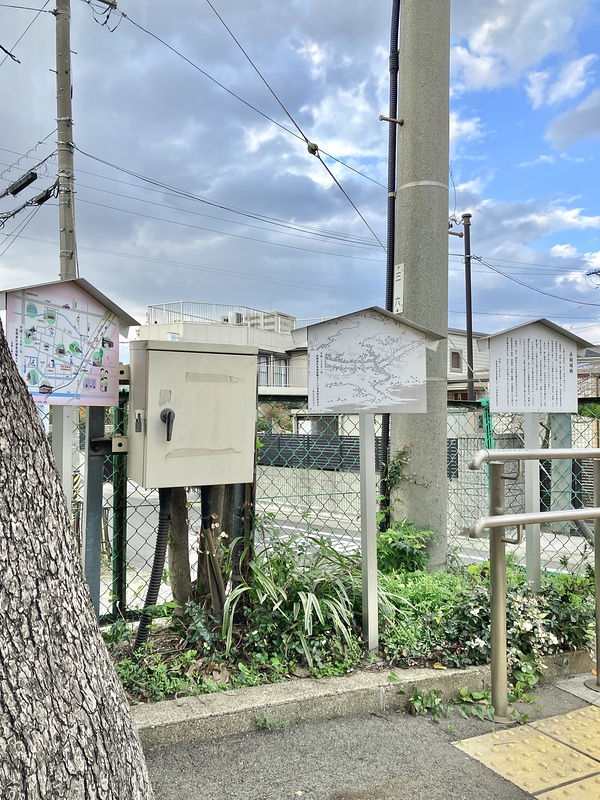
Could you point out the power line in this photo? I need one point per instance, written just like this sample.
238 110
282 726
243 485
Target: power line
24 8
269 279
311 146
27 155
233 235
237 97
189 196
328 238
241 99
38 200
533 288
14 236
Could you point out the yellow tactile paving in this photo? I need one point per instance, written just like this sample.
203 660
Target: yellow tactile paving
554 759
579 729
586 789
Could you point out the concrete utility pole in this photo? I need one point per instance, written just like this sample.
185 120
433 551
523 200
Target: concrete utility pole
62 416
421 253
64 122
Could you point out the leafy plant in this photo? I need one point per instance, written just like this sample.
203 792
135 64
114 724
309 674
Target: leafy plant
402 547
423 703
118 632
196 625
476 704
394 470
298 605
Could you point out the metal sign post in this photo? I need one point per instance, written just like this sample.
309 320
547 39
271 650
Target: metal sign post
368 529
364 363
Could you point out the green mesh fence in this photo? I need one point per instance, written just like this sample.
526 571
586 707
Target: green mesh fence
308 479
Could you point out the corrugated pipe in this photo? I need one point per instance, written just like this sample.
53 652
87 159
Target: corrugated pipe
158 565
391 219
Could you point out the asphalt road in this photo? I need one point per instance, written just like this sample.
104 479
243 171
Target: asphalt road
388 757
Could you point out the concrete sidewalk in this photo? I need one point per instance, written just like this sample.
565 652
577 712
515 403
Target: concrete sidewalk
337 739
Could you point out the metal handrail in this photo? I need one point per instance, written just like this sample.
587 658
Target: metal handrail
510 520
497 521
485 456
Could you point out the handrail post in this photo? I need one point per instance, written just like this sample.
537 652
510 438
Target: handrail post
594 683
499 674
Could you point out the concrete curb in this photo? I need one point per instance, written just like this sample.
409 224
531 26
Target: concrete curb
213 716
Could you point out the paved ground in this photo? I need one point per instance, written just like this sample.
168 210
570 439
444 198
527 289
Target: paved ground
381 756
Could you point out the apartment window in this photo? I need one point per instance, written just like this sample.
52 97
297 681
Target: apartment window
318 426
456 361
279 372
263 370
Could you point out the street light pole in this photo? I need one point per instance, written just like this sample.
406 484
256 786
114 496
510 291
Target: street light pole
466 221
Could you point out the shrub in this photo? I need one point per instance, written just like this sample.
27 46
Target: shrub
402 547
298 606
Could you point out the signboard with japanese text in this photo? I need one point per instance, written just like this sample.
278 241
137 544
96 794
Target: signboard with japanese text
533 368
65 344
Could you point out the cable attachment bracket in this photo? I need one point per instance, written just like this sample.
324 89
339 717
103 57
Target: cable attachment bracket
382 118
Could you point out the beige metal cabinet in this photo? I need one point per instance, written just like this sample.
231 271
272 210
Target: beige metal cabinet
192 414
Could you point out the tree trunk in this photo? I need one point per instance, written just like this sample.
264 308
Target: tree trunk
65 728
179 548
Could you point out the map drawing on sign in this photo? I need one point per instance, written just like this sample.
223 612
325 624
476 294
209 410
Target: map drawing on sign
366 363
65 344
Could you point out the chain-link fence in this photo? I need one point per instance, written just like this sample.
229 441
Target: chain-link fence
308 471
308 479
562 484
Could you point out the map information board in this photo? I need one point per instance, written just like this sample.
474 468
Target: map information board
65 344
366 363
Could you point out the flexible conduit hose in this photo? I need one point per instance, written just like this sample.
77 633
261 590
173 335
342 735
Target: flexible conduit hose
158 565
391 217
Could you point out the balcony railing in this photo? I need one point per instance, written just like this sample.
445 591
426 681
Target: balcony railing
281 375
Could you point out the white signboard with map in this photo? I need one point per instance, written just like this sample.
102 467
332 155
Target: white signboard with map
65 343
366 362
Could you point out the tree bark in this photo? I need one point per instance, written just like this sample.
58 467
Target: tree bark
179 548
65 728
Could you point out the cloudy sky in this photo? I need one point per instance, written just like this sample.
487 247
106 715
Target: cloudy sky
193 183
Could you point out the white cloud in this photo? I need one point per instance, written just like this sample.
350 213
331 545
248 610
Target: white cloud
560 218
577 123
576 279
592 260
536 88
315 54
463 130
541 159
501 40
571 81
563 251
